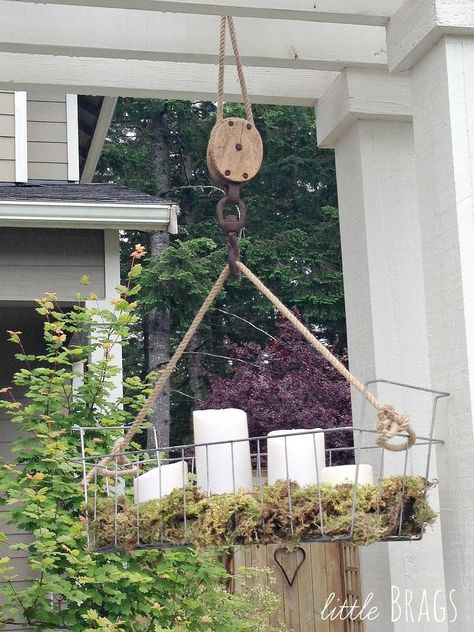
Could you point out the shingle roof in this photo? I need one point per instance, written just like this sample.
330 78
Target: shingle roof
69 192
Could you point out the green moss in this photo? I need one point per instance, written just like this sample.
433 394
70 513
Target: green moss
275 513
228 519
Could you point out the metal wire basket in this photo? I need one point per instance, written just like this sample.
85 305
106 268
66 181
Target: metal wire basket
145 510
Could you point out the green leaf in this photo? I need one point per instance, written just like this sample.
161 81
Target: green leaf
135 271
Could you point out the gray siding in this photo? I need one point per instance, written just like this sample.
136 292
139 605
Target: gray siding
35 260
7 170
25 319
7 136
47 136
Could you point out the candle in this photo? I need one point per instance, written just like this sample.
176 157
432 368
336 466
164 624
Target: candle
304 454
339 474
225 467
160 481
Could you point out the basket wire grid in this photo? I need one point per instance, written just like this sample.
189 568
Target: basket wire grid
358 442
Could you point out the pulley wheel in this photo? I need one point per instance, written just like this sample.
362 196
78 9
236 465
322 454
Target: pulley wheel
234 152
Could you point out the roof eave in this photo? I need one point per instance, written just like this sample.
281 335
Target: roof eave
147 217
100 132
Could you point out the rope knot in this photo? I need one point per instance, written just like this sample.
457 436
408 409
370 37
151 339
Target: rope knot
119 458
118 451
391 423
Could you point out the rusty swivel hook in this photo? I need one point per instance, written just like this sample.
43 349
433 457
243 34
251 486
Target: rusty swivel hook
231 225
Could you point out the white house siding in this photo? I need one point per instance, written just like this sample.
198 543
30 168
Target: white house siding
36 260
7 136
47 136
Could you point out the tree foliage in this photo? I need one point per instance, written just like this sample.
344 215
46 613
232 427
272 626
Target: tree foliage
282 384
291 240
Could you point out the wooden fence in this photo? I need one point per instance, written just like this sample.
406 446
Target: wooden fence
325 569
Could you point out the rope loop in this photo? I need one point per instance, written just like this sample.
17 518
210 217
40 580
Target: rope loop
228 20
391 424
119 458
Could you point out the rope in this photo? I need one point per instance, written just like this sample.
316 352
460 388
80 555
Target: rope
391 423
220 80
240 71
120 459
164 376
388 420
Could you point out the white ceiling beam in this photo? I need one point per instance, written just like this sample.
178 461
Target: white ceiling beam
154 36
158 80
361 94
419 24
369 12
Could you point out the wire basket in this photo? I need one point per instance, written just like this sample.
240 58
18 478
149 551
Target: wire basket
175 496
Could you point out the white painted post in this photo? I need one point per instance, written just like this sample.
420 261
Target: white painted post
366 117
72 124
21 144
115 355
442 71
112 279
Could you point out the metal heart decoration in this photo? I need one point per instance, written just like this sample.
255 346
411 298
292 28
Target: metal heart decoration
282 551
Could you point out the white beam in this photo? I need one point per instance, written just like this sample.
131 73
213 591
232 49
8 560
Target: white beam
21 139
154 36
419 24
370 12
72 124
358 94
158 80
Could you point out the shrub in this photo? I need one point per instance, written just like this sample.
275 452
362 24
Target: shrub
71 587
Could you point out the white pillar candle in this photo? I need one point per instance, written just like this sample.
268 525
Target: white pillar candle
304 453
225 467
160 481
339 474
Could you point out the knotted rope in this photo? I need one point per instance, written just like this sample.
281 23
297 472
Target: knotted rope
120 459
391 424
228 20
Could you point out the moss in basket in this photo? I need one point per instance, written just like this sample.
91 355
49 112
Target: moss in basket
227 519
264 516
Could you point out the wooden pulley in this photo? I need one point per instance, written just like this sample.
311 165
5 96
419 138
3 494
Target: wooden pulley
234 152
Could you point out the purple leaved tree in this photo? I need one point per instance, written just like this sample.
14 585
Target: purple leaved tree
283 385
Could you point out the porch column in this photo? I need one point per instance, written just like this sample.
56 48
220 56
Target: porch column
366 117
112 280
440 54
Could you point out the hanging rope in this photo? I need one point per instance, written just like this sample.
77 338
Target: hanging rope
240 71
221 63
164 376
388 420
